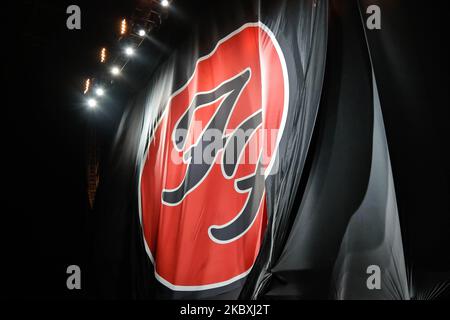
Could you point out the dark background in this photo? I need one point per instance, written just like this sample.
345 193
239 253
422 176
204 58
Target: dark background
45 213
46 223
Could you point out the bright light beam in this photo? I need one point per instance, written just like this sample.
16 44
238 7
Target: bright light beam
92 103
123 26
115 71
141 32
87 85
129 51
103 55
99 92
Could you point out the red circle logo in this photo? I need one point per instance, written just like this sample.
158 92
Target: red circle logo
202 183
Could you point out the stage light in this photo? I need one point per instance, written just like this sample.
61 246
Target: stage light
123 27
115 70
103 55
92 103
129 51
87 85
99 92
141 32
165 3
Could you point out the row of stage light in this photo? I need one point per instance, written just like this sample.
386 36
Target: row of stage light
93 91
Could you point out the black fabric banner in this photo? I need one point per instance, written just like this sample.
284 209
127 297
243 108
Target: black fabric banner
256 165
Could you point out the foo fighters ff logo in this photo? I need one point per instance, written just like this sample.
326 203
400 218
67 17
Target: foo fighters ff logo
202 186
